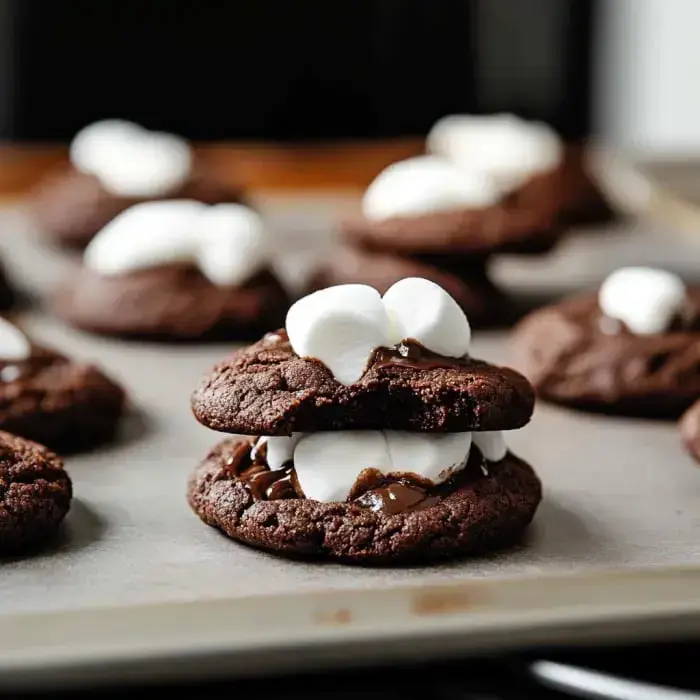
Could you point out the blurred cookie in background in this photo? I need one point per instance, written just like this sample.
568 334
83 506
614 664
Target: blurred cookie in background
8 295
115 164
632 348
177 270
67 406
689 427
520 154
470 286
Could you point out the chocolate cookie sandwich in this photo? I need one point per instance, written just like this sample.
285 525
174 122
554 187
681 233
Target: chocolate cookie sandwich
35 495
632 348
68 406
177 270
115 164
374 437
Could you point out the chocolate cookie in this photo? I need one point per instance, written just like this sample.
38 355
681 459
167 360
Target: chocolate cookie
690 430
470 286
35 494
266 389
524 222
386 522
68 406
581 201
70 207
576 356
175 302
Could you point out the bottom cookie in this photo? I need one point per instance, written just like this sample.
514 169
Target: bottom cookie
35 494
390 522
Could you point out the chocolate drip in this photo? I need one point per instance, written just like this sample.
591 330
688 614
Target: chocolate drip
397 497
272 485
410 353
264 484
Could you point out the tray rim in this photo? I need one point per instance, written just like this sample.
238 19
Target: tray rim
243 636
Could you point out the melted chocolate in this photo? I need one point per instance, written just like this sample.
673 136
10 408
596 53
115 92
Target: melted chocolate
410 353
262 483
392 494
266 485
398 497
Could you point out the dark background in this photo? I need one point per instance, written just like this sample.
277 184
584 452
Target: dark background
290 69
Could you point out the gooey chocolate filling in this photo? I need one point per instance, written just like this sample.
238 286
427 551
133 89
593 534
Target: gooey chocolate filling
388 494
408 353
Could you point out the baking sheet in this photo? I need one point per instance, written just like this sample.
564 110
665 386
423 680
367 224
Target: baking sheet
138 582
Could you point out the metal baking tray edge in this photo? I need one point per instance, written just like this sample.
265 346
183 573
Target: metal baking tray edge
246 636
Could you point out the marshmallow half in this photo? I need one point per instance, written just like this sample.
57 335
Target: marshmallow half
131 161
227 242
14 345
425 185
645 299
424 311
503 148
328 464
341 326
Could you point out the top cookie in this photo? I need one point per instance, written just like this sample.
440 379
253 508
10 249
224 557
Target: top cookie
351 358
267 389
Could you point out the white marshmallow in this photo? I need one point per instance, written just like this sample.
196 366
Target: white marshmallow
328 464
226 241
423 185
14 345
131 161
643 298
433 457
231 243
340 326
424 311
491 444
280 449
502 147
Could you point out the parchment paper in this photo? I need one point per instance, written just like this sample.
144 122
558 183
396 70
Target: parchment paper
618 492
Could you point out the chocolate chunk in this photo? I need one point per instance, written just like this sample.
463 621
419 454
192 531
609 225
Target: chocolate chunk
266 389
35 494
575 356
172 303
68 406
481 512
